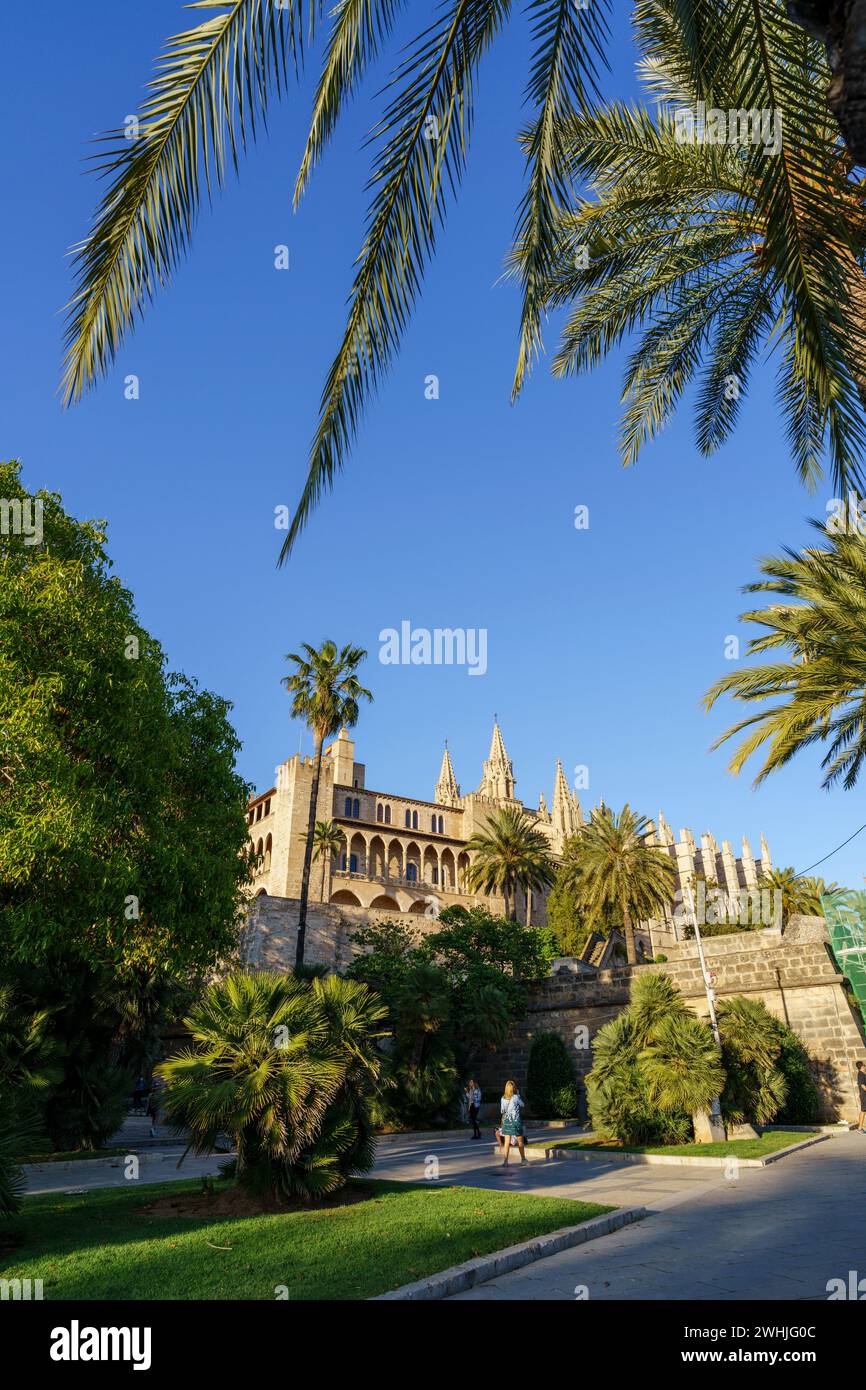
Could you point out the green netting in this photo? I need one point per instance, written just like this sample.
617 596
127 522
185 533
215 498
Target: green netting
846 925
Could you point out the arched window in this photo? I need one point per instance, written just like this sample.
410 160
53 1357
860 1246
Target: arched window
347 806
433 824
387 815
435 874
414 820
441 825
408 820
268 848
411 872
380 814
356 808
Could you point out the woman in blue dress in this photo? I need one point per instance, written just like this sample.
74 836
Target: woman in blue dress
511 1124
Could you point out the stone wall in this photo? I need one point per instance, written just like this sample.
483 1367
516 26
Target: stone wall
793 972
269 939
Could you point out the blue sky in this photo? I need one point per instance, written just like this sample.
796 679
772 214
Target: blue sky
456 512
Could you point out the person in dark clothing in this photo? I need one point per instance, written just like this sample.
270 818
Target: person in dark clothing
473 1100
861 1087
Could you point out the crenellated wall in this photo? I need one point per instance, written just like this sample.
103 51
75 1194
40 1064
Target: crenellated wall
792 972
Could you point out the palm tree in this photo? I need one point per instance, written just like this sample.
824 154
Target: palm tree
717 253
814 690
620 869
209 99
510 853
284 1066
211 94
839 26
327 842
325 693
800 894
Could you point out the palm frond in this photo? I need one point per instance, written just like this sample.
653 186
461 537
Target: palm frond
209 96
424 137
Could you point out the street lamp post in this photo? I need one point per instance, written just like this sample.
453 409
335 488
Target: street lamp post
715 1123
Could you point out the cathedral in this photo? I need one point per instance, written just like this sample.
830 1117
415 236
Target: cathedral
403 855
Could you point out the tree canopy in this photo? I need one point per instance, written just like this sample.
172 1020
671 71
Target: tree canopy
122 829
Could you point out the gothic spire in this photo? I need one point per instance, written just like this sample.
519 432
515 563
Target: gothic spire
447 791
563 804
497 780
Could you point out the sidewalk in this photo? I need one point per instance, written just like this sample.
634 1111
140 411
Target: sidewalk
781 1232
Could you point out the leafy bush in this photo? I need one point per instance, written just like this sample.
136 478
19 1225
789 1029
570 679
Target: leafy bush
755 1087
551 1088
803 1103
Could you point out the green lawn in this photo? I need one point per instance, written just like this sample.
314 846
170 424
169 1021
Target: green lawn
73 1155
98 1245
733 1148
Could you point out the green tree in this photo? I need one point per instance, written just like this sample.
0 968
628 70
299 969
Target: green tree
287 1068
325 691
813 689
327 841
508 853
122 829
620 869
712 249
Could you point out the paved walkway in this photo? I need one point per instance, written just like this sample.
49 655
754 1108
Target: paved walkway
780 1232
474 1163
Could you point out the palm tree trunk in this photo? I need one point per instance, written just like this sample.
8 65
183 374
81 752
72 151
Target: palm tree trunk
630 942
324 866
528 906
308 853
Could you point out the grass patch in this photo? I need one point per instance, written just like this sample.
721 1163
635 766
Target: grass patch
732 1148
102 1245
73 1155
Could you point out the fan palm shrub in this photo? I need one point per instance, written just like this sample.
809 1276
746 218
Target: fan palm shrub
286 1067
708 249
755 1087
812 691
325 693
620 868
28 1070
508 853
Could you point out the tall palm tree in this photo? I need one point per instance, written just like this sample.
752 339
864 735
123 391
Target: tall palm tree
718 253
620 869
211 94
325 692
327 842
814 688
510 853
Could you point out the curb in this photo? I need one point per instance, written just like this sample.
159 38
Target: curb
473 1272
409 1137
678 1161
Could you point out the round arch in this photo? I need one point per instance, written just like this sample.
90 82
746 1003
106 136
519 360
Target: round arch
345 898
